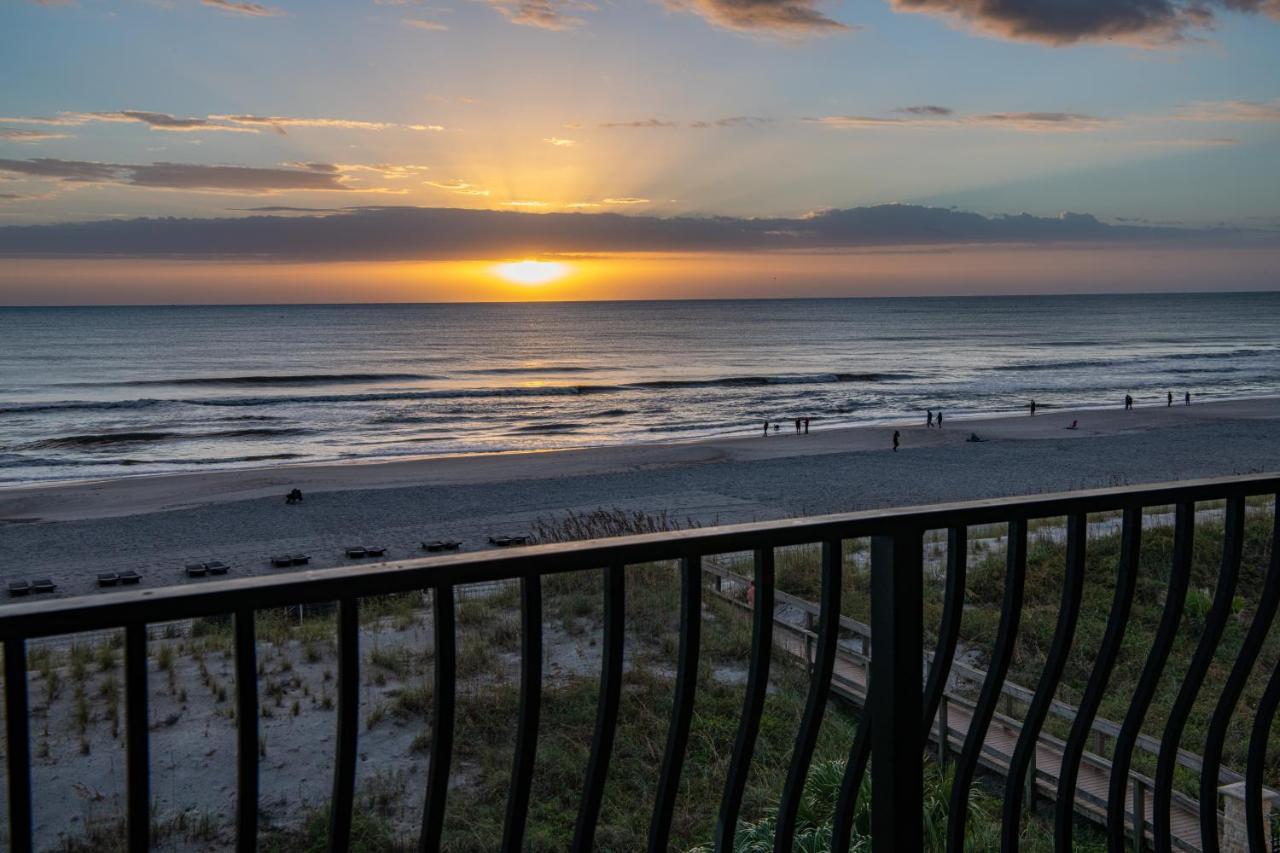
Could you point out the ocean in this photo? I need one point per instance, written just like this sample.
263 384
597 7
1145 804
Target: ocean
88 393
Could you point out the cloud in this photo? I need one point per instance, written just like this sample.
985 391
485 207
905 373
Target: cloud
457 186
162 121
422 24
1230 111
183 176
18 134
1063 22
413 233
776 17
641 123
733 121
543 14
280 123
626 200
560 142
935 117
252 10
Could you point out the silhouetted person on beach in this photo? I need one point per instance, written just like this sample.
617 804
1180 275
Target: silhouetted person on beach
929 417
895 441
777 428
797 426
1033 408
1170 398
294 497
1074 425
766 429
1128 402
806 426
1187 399
939 418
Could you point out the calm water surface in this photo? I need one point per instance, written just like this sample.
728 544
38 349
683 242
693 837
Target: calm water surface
94 392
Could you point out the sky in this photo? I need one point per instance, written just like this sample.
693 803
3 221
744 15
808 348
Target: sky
391 150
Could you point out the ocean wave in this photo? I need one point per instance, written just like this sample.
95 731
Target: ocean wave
108 439
268 380
516 371
548 428
76 405
376 396
1054 365
761 381
14 461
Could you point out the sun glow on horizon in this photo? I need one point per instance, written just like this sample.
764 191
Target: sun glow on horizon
531 272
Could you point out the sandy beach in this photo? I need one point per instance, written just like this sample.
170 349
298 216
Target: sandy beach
157 524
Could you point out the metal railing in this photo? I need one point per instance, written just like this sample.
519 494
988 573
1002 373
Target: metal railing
899 712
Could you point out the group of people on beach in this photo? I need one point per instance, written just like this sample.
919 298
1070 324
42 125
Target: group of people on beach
801 424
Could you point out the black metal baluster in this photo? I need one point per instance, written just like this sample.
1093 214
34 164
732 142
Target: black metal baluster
138 765
446 675
1001 655
1233 532
1056 660
615 617
1184 703
895 701
1122 756
344 765
1117 621
851 784
530 710
18 740
1267 708
819 689
246 733
682 708
752 704
949 628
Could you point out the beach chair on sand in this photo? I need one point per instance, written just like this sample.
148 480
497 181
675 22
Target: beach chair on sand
130 578
282 561
216 567
43 585
508 541
17 588
301 559
374 551
356 553
108 579
195 570
441 545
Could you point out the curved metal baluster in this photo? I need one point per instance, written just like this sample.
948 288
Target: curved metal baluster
819 688
1055 662
1175 598
752 703
530 711
1162 796
446 675
1270 597
18 740
1002 654
682 708
850 786
344 765
615 616
1267 708
1117 620
949 628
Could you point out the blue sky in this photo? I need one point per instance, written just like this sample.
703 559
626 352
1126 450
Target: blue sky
1172 122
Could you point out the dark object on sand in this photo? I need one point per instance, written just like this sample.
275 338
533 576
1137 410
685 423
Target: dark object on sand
216 567
282 560
1074 425
43 585
196 570
973 437
438 545
356 553
301 559
294 497
130 578
108 579
371 551
508 541
19 588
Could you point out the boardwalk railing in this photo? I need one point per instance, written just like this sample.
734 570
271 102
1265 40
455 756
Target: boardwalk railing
892 734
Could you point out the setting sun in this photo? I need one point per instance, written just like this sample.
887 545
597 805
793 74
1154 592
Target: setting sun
531 272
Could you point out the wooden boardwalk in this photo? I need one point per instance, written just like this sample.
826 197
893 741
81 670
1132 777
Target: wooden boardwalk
955 715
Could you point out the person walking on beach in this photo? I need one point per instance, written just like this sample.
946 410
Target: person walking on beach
806 426
939 418
766 429
1187 399
929 417
1033 408
1170 398
895 441
797 426
1128 402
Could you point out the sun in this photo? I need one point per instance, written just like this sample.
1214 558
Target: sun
531 272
